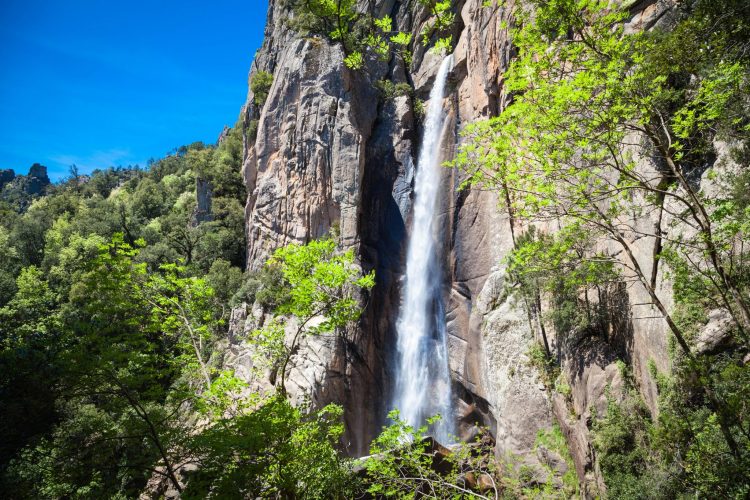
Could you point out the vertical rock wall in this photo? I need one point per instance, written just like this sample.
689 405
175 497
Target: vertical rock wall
330 151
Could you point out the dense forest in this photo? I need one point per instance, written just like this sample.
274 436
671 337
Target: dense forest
116 287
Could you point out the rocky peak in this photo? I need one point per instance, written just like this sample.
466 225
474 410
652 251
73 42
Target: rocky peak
6 176
37 180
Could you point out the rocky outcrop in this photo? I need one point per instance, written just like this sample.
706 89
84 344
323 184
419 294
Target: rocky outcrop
325 150
37 179
592 375
517 398
717 335
6 175
203 197
20 190
304 170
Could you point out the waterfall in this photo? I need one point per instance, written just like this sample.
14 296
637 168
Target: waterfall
423 380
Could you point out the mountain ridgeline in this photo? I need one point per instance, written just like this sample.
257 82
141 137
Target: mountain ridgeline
571 294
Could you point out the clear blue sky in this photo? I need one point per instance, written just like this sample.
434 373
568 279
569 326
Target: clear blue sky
100 82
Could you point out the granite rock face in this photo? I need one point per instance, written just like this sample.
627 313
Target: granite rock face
326 150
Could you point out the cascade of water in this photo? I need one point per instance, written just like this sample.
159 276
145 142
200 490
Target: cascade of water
423 379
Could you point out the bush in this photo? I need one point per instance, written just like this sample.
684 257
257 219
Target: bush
260 85
266 286
546 366
224 279
390 90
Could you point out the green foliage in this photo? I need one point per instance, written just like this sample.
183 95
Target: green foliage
551 439
322 281
563 269
623 442
148 199
268 449
29 342
251 131
183 307
684 452
559 261
117 354
362 35
404 464
266 286
354 61
545 365
9 266
320 286
260 85
390 90
333 19
418 107
224 279
691 436
440 26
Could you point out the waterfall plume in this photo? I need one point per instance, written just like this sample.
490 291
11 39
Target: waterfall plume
423 380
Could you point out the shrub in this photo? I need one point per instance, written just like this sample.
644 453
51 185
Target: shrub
260 85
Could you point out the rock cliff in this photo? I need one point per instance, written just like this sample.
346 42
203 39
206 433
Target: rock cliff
326 150
20 190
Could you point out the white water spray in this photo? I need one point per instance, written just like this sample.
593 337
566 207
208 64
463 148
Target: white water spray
423 379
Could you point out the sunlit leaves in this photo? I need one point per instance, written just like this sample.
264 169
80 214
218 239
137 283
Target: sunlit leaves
322 281
357 33
401 38
404 463
355 61
442 21
270 449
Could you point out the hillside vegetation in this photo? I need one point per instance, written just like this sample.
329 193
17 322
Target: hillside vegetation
116 288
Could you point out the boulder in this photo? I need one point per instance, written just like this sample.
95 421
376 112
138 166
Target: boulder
717 335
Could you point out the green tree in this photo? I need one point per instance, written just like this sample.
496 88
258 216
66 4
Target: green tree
225 280
589 99
563 267
29 346
404 463
9 266
148 199
263 447
183 307
560 149
132 343
323 286
260 85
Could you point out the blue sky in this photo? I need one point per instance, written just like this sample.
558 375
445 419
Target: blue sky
100 83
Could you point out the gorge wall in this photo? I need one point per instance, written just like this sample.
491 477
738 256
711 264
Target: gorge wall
327 151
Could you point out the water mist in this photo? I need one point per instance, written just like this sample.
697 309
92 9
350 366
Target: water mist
423 385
